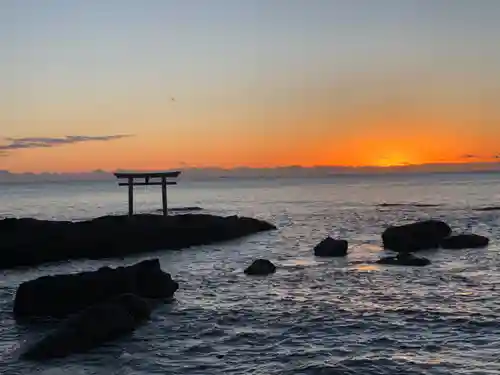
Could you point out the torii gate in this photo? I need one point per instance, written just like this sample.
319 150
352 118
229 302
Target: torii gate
147 176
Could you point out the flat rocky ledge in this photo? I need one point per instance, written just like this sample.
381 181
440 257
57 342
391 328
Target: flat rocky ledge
29 242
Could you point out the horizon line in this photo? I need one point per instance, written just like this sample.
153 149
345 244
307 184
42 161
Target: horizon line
468 166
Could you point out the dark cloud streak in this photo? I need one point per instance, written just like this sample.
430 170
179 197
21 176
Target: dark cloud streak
485 157
46 142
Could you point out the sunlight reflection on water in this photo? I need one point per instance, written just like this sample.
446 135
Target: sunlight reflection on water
367 267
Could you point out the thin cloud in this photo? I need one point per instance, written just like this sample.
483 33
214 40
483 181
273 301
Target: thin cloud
46 142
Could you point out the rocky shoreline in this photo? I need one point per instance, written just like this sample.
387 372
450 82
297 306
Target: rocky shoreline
30 242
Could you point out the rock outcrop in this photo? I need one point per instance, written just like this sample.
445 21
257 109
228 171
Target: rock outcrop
260 267
330 247
416 236
29 242
61 295
464 241
92 327
404 259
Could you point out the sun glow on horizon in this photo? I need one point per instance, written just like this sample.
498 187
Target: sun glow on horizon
394 160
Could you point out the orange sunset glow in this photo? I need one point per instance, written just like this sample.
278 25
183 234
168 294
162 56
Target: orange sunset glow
246 88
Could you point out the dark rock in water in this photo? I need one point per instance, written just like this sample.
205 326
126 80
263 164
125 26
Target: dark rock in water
404 259
60 295
138 307
92 327
260 267
422 205
330 247
29 242
490 208
421 235
464 241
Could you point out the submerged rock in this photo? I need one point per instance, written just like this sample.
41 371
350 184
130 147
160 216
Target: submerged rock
92 327
489 208
61 295
404 259
421 235
260 267
464 241
330 247
423 205
29 242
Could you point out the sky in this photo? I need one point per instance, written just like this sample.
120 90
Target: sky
159 84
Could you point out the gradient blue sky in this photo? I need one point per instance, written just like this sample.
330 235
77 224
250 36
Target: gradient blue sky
256 82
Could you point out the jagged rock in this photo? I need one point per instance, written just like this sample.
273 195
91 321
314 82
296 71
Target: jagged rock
29 242
330 247
60 295
464 241
260 267
404 259
92 327
421 235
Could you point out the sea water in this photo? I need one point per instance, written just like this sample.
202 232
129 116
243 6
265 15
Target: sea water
314 316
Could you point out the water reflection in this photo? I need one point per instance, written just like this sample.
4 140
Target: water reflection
367 267
300 262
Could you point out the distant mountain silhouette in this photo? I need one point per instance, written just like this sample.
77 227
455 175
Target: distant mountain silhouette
247 172
9 177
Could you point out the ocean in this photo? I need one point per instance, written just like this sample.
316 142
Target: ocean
314 316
